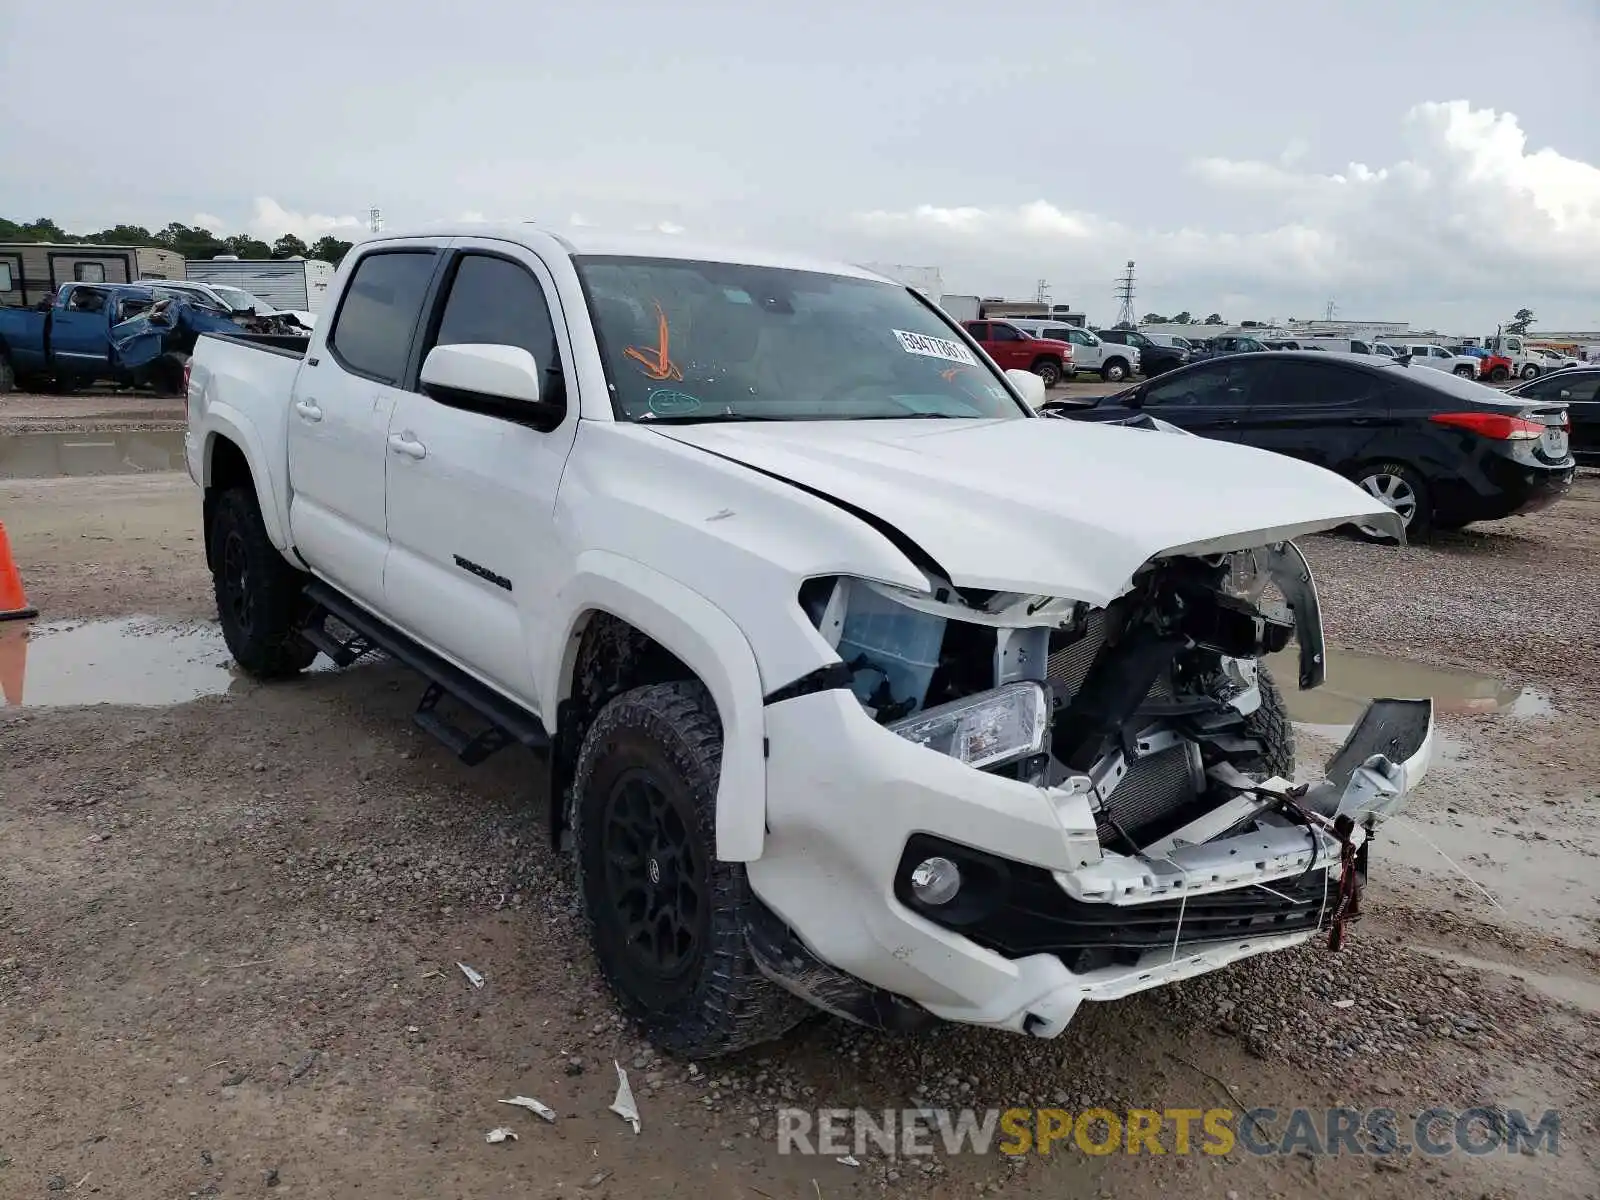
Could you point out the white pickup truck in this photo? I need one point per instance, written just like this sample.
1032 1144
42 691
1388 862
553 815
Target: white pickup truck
861 684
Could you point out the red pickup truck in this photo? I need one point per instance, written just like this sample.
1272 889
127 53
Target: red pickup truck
1010 348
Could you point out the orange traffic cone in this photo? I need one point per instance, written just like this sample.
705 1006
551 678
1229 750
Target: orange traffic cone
13 662
13 603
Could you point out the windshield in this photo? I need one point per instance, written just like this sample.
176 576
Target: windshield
1139 339
238 298
696 341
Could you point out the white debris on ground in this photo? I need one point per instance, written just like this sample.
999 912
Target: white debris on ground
623 1105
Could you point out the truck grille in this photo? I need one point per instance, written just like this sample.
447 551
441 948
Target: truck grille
1155 787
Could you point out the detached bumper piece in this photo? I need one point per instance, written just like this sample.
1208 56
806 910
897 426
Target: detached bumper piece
1016 910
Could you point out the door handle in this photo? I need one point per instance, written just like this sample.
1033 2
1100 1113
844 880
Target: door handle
308 409
401 444
1362 421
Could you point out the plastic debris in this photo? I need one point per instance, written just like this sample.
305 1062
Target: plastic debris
849 1160
500 1135
473 977
1344 1003
533 1106
623 1105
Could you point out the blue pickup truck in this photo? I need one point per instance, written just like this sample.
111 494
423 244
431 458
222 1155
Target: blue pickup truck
135 335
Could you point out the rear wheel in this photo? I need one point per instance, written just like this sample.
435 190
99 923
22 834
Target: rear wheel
1403 489
259 595
8 377
167 374
1048 370
1114 371
1464 371
666 917
1499 375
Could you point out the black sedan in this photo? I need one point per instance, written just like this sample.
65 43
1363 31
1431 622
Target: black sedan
1441 451
1579 389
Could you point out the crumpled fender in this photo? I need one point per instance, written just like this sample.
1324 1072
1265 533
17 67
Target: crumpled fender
706 640
166 326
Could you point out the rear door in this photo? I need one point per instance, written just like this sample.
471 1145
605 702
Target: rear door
1323 413
473 551
339 418
80 332
1210 400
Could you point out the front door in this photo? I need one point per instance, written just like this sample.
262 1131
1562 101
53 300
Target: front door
473 554
1323 413
1009 349
339 419
1209 400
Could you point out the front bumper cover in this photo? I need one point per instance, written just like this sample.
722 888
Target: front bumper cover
835 932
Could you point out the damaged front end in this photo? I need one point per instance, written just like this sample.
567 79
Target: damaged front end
1162 747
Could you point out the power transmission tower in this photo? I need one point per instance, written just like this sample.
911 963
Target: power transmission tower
1124 294
1042 292
1331 309
375 217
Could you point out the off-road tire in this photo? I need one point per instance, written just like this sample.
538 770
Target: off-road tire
1271 725
8 377
668 736
1048 370
260 610
1115 371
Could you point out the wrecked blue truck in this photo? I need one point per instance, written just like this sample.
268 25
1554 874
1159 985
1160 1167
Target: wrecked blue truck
133 335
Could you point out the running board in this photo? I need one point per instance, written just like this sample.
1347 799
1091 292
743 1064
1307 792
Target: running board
506 722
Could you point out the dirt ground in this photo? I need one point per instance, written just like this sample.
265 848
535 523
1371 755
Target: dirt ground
229 927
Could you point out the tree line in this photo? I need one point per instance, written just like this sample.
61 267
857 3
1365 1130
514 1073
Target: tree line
188 240
1183 318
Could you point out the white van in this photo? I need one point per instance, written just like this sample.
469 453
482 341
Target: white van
1113 362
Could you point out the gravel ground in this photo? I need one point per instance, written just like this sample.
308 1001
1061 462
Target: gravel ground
229 930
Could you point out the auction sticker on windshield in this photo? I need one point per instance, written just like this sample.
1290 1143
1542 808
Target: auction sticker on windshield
934 347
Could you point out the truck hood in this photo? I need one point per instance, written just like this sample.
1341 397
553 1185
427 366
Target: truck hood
1046 507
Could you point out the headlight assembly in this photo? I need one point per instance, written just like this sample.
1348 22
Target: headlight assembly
985 730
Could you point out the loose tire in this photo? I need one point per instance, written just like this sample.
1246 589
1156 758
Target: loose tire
1048 370
260 601
666 917
1402 489
1270 724
1114 371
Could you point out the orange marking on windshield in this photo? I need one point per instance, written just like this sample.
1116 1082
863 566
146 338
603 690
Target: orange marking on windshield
656 362
949 373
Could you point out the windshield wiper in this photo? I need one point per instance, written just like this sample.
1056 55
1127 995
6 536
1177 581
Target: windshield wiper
700 418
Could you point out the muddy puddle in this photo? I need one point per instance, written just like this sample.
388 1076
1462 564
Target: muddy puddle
130 660
1355 678
52 455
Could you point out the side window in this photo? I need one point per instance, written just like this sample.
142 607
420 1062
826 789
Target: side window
496 302
1360 348
979 330
89 272
88 300
5 277
377 319
1004 333
1310 385
1587 388
1216 386
1078 337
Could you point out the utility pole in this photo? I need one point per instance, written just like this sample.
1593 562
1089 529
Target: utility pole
375 219
1124 294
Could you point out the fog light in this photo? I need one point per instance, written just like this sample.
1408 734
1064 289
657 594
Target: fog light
935 881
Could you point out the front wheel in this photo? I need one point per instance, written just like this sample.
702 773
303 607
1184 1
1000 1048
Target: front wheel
1048 370
260 602
1114 371
666 917
1404 490
1270 725
1530 372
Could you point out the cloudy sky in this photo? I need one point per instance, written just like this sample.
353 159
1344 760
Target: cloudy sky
1431 161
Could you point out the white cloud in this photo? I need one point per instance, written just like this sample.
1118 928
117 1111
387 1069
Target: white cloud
1470 222
271 221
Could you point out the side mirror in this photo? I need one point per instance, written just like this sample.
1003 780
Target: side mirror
498 381
1029 384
